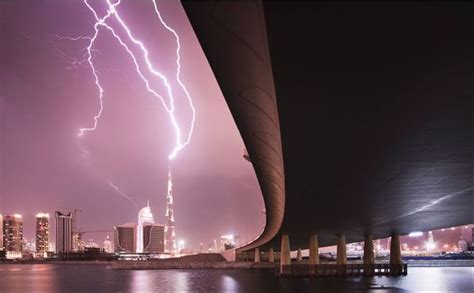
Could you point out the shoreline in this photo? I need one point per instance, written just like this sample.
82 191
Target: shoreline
139 265
58 262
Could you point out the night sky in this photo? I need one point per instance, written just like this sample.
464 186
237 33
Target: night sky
44 100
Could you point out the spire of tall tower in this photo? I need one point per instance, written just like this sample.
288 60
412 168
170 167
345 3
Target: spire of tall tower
170 241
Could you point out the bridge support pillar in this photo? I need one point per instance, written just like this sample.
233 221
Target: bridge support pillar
299 257
271 255
257 255
313 250
341 250
369 258
395 255
285 258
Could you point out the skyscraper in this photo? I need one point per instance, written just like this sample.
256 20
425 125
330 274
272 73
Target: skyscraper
42 234
153 238
170 237
145 217
13 235
63 232
1 232
125 238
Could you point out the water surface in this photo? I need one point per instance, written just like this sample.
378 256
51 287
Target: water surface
100 278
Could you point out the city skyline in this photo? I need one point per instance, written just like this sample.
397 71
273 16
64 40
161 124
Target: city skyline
49 168
435 241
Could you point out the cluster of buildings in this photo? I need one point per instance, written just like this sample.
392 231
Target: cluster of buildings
12 244
143 238
146 237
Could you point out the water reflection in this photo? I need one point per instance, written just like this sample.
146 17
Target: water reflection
100 278
28 278
454 279
141 281
229 284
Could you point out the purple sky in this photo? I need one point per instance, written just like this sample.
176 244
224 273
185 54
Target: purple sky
43 103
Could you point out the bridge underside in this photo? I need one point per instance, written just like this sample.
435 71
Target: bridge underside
371 109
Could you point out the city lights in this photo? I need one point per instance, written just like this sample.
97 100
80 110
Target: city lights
430 246
415 234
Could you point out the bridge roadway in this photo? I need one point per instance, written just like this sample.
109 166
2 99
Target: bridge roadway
357 117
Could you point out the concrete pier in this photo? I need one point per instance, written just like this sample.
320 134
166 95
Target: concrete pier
299 257
257 255
395 250
271 255
341 250
285 258
369 257
313 250
395 255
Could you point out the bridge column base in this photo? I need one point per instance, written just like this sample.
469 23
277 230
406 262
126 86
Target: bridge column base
369 258
341 258
313 250
395 255
285 259
257 255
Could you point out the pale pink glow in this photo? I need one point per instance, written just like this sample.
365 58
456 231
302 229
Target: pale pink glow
50 93
170 106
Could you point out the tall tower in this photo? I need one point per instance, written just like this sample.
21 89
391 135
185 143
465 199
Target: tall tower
42 234
63 232
170 241
13 234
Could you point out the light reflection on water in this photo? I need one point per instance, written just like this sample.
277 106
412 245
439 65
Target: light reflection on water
100 278
229 284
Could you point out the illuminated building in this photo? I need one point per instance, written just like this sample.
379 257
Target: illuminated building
145 217
227 242
462 245
108 245
13 235
63 232
1 232
154 238
125 238
181 246
28 246
146 237
170 237
91 244
430 244
42 234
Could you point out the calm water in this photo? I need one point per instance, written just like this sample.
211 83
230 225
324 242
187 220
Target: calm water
100 278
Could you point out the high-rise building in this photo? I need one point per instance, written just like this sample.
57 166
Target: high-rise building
42 234
13 234
170 237
125 238
63 232
145 217
153 238
1 232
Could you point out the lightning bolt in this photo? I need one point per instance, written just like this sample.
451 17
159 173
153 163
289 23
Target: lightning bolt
169 106
98 23
123 194
178 79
